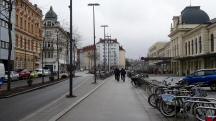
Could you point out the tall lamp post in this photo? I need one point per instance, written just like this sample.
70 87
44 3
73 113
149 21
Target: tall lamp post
93 5
104 27
71 55
57 37
109 39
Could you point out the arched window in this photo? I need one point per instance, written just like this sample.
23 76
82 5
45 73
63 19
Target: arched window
212 42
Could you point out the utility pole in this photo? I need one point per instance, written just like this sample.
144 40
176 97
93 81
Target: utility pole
104 44
95 70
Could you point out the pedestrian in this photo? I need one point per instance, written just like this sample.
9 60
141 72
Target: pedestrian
123 73
117 74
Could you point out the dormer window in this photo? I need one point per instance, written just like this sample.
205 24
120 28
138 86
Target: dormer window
49 23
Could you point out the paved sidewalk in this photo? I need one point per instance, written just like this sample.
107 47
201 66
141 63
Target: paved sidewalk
114 101
55 109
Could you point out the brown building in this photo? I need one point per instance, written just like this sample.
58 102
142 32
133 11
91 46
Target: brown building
28 35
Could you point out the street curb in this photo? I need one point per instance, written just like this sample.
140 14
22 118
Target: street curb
33 89
65 111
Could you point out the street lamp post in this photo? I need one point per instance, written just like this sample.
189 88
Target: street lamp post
71 55
104 26
93 5
109 39
58 51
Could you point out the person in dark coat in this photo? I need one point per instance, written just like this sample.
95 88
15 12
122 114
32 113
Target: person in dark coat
117 74
123 73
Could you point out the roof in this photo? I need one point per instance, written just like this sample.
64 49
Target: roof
121 48
212 21
103 40
194 15
51 15
86 48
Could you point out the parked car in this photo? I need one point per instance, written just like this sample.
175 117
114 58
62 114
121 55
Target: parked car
63 75
34 74
24 74
14 76
206 77
43 72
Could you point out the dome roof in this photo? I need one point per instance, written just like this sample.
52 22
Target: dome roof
194 15
51 14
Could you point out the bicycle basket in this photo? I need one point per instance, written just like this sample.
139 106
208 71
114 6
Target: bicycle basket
168 99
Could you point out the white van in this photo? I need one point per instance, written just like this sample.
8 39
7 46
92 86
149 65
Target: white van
2 72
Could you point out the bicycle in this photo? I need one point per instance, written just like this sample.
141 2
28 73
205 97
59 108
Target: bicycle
171 104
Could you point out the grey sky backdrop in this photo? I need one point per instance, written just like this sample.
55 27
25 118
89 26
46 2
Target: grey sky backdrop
137 24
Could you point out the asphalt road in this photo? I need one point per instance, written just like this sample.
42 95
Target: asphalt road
16 108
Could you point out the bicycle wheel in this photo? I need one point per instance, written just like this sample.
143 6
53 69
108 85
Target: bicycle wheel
167 110
152 100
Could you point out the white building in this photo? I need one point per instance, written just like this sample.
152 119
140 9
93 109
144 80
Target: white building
104 57
56 43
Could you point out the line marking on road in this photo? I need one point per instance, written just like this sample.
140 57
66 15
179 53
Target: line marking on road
53 102
65 111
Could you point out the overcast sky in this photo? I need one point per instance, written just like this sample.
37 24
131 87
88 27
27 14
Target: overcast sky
137 24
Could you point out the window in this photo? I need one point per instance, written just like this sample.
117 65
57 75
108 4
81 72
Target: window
189 50
21 42
185 48
200 44
49 23
192 45
212 42
21 22
196 46
25 25
48 33
4 45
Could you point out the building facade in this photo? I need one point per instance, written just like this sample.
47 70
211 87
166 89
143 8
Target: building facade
4 38
28 35
111 54
86 57
159 58
122 57
56 44
192 41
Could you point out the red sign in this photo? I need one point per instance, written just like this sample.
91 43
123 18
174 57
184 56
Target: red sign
211 118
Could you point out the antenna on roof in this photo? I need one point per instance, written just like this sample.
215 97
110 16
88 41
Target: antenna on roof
190 2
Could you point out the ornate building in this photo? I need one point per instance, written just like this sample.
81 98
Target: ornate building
193 42
56 44
28 35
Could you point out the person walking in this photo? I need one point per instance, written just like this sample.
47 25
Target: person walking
117 74
123 73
